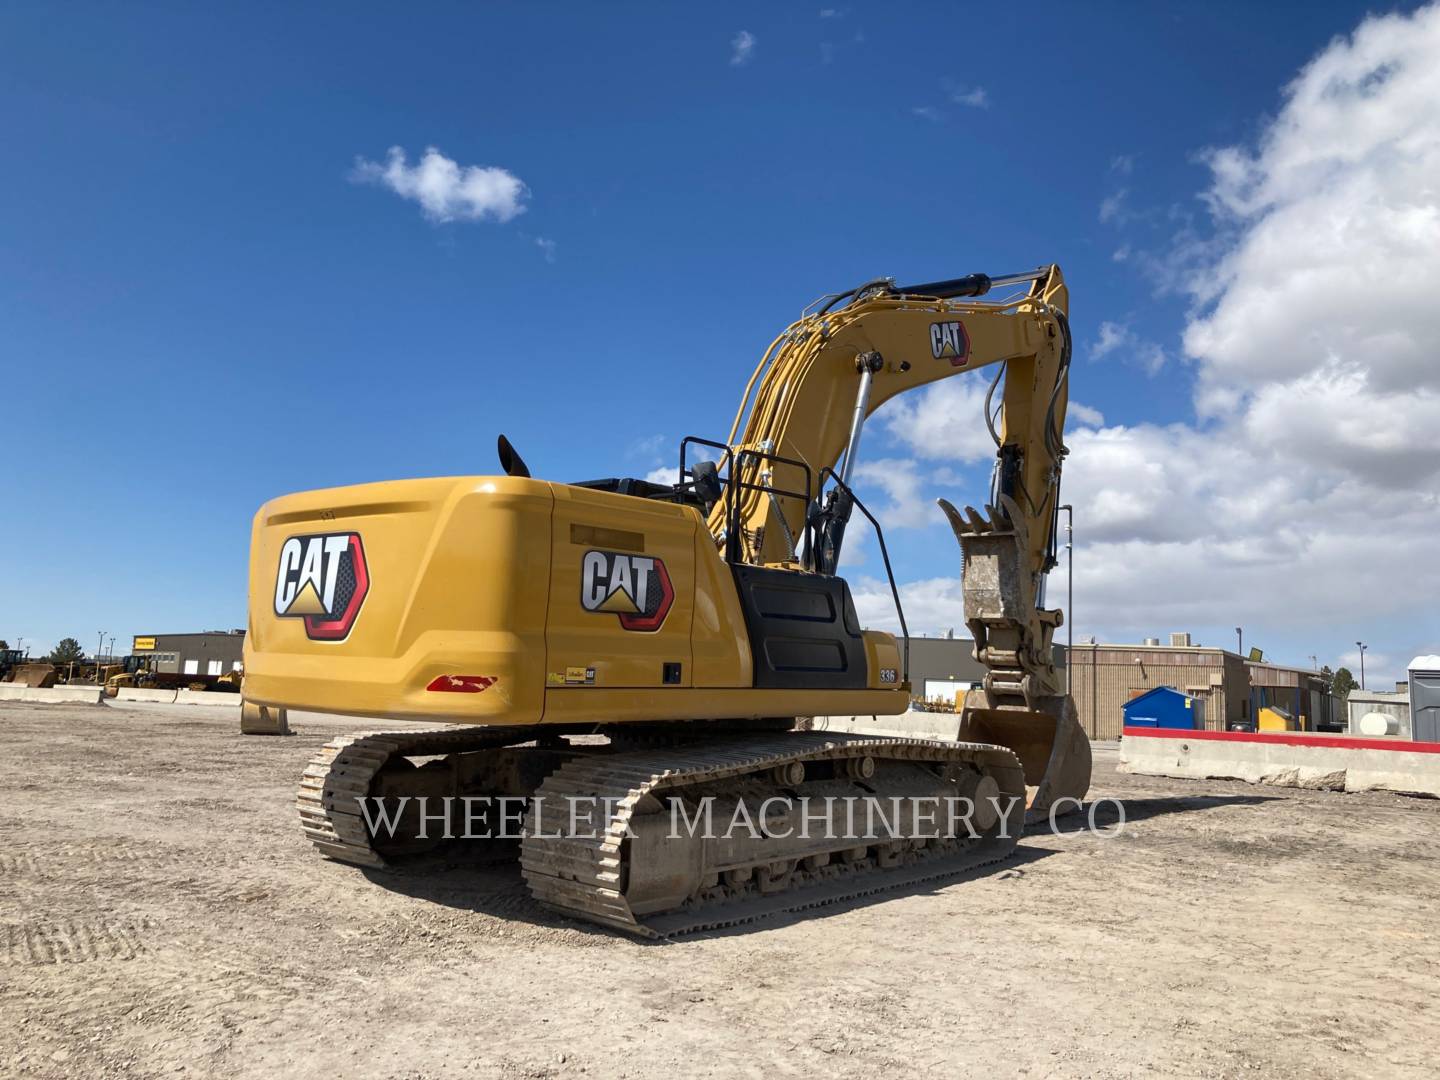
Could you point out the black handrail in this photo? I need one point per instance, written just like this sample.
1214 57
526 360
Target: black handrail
884 555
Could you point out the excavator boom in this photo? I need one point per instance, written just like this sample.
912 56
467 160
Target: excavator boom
833 368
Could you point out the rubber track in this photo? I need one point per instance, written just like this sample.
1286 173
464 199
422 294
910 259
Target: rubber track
584 876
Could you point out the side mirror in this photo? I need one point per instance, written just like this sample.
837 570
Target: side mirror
706 477
510 461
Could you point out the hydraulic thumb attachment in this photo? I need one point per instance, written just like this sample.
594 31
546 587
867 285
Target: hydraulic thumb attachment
1021 705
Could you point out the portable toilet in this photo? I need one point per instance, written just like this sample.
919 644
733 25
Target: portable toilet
1425 698
1164 707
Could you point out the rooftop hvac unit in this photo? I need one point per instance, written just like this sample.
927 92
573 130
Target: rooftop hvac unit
1179 641
1152 641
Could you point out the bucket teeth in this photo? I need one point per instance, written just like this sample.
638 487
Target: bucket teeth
957 523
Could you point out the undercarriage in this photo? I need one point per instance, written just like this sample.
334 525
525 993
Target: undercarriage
664 832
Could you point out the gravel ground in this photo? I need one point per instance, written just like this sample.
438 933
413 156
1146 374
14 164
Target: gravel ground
160 915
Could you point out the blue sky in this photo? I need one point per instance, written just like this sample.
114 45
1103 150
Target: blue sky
204 306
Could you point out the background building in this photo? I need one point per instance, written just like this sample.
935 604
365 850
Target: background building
213 652
1392 704
943 666
1232 689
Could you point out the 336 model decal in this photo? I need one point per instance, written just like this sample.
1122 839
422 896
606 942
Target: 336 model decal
322 579
634 587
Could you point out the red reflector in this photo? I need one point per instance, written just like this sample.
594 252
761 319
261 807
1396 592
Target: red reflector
462 684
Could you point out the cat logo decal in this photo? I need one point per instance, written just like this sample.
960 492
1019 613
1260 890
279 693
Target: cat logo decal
634 587
948 341
322 579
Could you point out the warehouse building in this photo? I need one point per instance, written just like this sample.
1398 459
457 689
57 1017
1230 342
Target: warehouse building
941 667
207 654
1231 690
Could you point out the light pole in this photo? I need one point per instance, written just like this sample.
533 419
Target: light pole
1069 593
1363 647
1240 641
110 655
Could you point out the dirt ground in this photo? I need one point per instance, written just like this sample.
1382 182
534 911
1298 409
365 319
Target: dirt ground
160 915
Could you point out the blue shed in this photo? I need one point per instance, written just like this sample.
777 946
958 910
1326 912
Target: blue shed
1165 707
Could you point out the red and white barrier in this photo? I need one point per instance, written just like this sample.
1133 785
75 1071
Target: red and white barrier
1290 759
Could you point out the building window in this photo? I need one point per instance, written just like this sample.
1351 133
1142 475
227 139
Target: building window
214 667
192 667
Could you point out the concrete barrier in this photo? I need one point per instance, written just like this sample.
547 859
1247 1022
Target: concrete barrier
909 724
141 693
1292 759
53 695
207 697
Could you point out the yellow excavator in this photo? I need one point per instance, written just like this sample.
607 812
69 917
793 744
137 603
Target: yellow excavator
620 655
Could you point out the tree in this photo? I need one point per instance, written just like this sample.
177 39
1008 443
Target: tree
1342 684
68 650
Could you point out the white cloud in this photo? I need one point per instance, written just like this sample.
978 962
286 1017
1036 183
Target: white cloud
1112 336
742 47
1076 413
647 446
900 479
1124 164
1114 207
547 247
830 13
665 474
1302 500
931 607
445 190
1140 352
927 112
973 96
943 421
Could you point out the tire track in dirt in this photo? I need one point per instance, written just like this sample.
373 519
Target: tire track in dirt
75 941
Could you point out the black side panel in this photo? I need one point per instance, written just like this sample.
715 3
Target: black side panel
803 631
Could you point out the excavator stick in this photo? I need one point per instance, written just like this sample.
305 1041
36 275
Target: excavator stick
1020 705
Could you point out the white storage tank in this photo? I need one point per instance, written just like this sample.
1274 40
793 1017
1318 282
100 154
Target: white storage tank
1376 725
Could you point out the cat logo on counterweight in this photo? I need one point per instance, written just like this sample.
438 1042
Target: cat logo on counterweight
322 579
634 587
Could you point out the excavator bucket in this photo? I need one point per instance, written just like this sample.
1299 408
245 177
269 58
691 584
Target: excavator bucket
1053 749
1021 705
